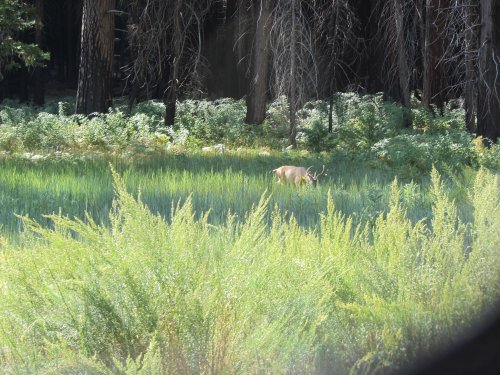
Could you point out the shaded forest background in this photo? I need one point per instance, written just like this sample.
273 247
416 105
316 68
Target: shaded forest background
433 50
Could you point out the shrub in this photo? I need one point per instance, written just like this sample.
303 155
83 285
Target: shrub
417 153
435 121
213 122
150 108
360 122
46 131
9 139
364 128
116 130
318 138
488 157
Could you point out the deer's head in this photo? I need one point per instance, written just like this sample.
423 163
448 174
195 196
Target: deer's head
312 179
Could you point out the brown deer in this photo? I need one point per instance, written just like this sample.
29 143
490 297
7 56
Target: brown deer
297 175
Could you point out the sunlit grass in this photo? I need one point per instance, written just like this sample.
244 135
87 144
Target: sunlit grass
222 183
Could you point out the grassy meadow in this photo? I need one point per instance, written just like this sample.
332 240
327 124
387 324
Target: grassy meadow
232 182
192 263
126 249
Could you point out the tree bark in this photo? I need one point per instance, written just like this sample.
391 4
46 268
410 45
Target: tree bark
470 87
171 96
435 82
402 61
257 96
334 26
331 101
170 100
96 61
292 96
488 109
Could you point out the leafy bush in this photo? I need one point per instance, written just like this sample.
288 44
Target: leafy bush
363 121
277 115
63 106
417 153
22 129
364 128
318 138
438 122
150 108
358 122
9 139
275 128
213 122
117 130
488 157
46 131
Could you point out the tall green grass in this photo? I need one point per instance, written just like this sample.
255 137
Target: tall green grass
149 294
231 182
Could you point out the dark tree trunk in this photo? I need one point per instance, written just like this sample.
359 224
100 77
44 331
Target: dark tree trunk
334 27
402 61
39 76
96 60
170 101
330 113
171 96
488 109
257 97
293 122
170 109
435 82
132 96
470 87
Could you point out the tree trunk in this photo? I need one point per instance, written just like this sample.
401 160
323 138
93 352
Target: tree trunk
333 64
132 96
292 97
170 102
170 109
330 113
488 109
170 99
402 62
435 82
96 61
470 87
39 83
257 97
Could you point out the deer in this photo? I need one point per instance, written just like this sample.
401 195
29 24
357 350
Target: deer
297 175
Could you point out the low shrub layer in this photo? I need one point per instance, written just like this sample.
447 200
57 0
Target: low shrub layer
363 128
